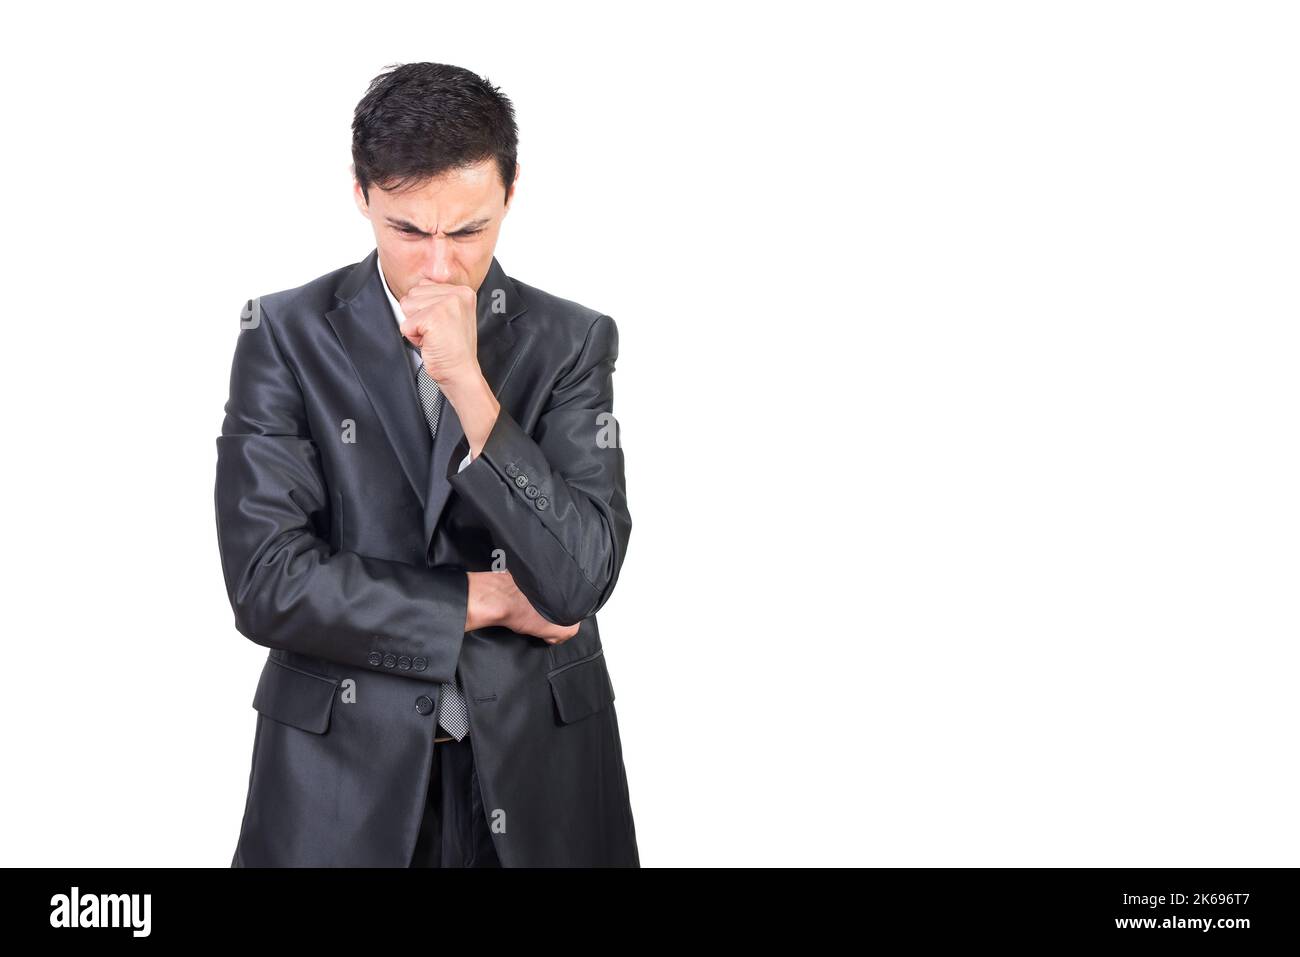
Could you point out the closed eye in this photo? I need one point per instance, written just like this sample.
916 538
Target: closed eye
417 234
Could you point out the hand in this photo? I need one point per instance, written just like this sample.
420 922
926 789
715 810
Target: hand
442 320
495 599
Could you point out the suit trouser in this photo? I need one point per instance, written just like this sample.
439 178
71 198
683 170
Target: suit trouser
454 830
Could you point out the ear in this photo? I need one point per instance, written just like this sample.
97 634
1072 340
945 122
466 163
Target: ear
360 198
510 194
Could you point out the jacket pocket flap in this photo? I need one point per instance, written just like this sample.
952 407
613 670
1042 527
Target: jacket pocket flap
581 688
295 697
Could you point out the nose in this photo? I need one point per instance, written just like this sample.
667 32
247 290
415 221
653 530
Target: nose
438 264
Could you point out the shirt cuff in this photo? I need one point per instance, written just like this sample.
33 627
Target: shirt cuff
464 462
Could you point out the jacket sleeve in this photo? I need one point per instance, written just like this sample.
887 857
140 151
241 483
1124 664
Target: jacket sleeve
286 589
555 501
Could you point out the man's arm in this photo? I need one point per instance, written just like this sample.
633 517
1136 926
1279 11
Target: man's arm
555 501
287 591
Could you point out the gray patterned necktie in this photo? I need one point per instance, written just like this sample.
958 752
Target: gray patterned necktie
452 714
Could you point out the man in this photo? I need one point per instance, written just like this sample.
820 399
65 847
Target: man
420 509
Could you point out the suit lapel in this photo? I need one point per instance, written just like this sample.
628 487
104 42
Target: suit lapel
364 324
368 332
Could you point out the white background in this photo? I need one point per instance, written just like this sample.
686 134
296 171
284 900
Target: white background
957 388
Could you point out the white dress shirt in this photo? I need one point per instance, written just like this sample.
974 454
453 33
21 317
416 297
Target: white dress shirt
416 361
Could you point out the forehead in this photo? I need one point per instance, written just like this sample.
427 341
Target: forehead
467 191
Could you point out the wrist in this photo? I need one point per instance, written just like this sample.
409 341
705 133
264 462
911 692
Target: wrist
466 382
476 407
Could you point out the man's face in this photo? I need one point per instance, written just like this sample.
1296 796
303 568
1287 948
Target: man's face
443 231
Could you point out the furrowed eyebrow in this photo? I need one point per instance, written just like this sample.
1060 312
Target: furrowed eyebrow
471 227
405 226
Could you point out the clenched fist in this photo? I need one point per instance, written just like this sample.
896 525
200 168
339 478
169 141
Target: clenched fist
442 320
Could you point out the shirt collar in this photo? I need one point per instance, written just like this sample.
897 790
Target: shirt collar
398 316
392 300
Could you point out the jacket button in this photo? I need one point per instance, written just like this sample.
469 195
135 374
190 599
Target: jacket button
403 663
521 480
532 491
375 659
541 502
424 704
512 470
390 660
420 663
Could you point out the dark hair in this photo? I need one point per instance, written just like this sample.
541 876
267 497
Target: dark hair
419 120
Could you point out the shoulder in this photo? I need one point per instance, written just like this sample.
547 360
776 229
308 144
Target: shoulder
560 317
313 298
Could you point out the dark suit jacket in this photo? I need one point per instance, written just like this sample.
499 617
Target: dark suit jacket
344 556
